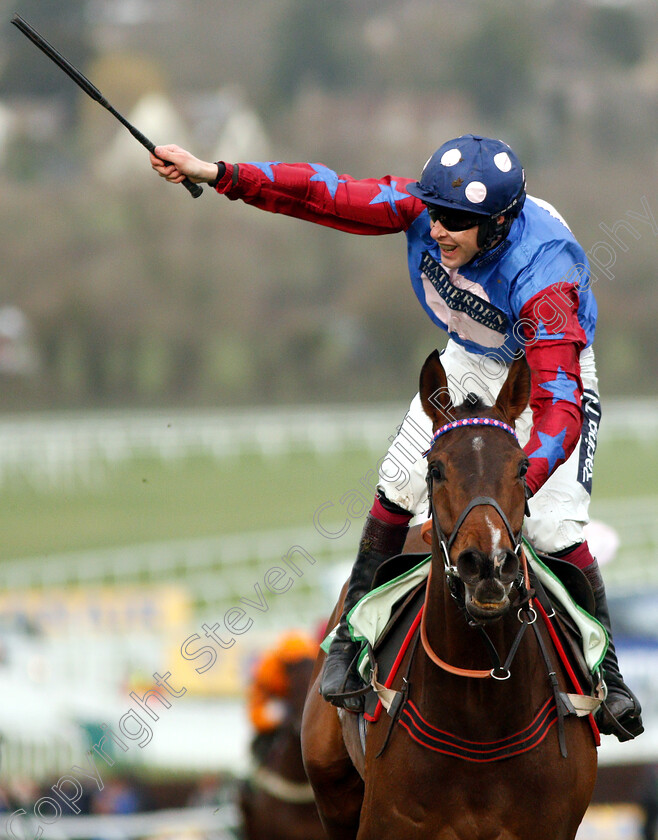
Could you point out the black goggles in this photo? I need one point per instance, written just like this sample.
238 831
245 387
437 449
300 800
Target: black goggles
453 219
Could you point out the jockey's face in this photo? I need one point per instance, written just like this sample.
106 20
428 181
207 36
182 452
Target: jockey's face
457 247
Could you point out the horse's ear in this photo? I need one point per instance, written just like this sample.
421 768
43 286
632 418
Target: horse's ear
434 393
515 393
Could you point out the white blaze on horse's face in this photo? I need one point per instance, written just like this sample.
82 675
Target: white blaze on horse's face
496 536
477 445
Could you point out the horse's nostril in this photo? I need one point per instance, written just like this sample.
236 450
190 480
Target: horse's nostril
506 564
474 566
470 565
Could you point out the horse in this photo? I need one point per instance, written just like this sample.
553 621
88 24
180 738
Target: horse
277 801
407 776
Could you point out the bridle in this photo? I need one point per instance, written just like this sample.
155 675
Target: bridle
526 612
446 542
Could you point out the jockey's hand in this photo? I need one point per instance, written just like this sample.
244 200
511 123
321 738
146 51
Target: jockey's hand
174 163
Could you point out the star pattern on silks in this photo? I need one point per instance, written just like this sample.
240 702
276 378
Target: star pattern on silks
542 333
265 167
328 176
551 448
389 193
562 388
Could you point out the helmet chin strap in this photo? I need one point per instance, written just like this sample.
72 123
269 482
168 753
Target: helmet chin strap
491 233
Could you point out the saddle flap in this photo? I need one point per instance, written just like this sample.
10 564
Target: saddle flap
396 566
391 642
573 579
572 644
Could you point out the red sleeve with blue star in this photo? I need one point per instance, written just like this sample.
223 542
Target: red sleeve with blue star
315 193
554 341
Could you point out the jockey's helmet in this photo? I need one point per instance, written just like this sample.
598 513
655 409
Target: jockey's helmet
473 179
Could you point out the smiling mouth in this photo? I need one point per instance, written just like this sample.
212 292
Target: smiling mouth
448 249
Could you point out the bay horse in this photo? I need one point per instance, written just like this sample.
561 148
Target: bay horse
277 802
405 777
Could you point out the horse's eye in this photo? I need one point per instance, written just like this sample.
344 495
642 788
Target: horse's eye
436 472
523 467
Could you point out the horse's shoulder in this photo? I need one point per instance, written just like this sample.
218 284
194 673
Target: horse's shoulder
414 542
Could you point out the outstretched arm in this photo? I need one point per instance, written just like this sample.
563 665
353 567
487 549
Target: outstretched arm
309 191
174 163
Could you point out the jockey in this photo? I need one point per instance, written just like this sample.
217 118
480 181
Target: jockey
268 689
502 274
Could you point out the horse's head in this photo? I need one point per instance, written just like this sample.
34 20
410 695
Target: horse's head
476 485
298 675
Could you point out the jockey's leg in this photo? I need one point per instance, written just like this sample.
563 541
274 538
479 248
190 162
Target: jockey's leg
383 536
401 492
621 705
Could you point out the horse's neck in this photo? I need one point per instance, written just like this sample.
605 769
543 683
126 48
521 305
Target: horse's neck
285 756
462 699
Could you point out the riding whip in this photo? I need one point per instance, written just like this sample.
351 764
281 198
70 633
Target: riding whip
91 90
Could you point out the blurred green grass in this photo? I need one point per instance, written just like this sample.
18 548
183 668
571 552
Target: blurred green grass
152 500
144 500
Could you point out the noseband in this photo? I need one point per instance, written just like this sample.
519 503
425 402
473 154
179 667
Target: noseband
445 542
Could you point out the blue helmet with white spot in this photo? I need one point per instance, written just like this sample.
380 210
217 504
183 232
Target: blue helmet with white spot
475 174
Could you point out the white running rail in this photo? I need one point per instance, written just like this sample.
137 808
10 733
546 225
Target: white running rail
60 449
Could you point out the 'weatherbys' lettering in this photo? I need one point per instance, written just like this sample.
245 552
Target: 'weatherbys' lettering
462 301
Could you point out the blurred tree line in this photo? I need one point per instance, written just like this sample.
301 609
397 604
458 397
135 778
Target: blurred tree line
137 295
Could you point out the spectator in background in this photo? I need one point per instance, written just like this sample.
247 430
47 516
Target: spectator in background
212 791
119 796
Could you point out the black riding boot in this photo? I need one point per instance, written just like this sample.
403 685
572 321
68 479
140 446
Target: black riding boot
379 542
620 714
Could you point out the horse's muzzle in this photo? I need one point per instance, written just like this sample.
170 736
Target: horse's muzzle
487 581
